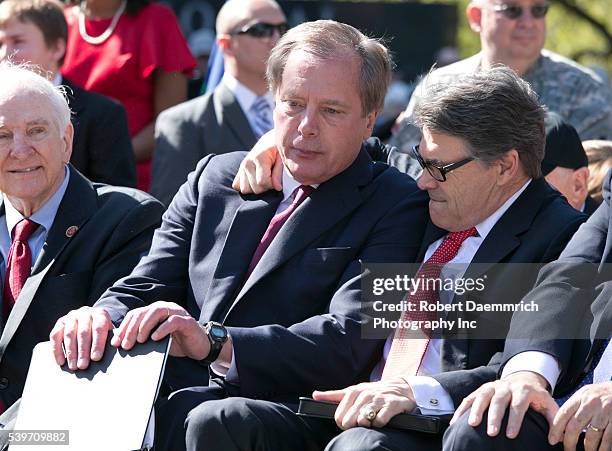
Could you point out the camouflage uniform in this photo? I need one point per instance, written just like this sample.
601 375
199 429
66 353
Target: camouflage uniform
564 86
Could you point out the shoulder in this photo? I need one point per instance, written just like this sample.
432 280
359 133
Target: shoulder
119 200
554 212
190 111
566 71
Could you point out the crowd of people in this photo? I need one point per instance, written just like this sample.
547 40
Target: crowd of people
256 264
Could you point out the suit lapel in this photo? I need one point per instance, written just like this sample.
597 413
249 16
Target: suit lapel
328 204
247 227
76 207
432 234
230 113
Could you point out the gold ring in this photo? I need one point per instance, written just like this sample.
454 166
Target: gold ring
593 428
369 413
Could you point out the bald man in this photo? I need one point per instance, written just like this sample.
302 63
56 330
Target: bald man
237 112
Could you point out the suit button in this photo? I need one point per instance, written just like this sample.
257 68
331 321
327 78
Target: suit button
4 383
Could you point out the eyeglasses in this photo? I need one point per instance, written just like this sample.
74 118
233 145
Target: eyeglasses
262 30
436 171
513 12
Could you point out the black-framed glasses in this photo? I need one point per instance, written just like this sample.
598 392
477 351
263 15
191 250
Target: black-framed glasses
436 171
263 29
513 12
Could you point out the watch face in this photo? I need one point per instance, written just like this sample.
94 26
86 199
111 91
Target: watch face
217 332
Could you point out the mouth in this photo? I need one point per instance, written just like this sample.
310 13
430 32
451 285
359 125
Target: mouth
305 153
25 170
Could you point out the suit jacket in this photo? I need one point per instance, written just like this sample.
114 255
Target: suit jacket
573 293
523 235
296 321
102 147
115 226
186 133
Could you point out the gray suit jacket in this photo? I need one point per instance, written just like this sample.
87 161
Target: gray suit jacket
186 133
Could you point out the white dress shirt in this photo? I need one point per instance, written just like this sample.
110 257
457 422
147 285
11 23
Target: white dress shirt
431 398
44 217
246 98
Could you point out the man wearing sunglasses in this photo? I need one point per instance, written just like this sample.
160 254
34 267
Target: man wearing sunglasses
236 112
512 32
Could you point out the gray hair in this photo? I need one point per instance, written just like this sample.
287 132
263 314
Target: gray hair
493 110
24 77
326 39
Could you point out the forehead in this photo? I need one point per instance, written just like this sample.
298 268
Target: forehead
442 146
14 26
334 76
19 107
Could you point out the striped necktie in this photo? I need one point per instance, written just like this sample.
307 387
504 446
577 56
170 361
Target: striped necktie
261 116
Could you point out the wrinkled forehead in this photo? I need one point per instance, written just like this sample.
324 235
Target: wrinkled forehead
22 104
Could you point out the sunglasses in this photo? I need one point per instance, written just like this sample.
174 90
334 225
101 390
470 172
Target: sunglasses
436 171
513 12
262 30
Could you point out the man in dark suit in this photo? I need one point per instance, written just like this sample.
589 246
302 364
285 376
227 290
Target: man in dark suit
288 295
63 240
36 32
560 356
482 173
236 112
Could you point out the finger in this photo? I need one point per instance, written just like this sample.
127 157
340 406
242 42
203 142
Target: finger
390 409
119 332
354 412
131 330
277 174
345 405
465 405
236 181
518 406
174 324
497 409
330 395
574 428
561 419
606 440
57 337
480 404
263 177
245 187
592 438
151 318
70 341
100 326
83 340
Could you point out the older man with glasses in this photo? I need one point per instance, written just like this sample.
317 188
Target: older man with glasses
512 32
491 214
236 112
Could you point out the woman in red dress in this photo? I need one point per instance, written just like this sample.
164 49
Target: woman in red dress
134 52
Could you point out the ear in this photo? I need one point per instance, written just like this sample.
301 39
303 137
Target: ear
508 167
580 181
68 136
224 42
474 16
58 50
370 121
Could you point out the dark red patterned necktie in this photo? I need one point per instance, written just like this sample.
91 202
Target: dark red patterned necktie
18 265
299 195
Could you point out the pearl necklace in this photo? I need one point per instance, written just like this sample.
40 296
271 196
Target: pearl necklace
95 40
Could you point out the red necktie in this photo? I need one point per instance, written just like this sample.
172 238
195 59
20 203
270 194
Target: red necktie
19 264
299 195
406 354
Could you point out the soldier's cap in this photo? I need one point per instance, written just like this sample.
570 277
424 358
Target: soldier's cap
563 146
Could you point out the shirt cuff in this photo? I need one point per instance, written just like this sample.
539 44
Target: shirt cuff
431 398
221 369
537 362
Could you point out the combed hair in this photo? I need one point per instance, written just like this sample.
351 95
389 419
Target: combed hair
46 15
599 153
493 110
23 77
326 39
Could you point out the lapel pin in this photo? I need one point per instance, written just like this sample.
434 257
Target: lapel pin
70 231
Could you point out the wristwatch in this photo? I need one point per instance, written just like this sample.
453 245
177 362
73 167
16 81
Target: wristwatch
217 335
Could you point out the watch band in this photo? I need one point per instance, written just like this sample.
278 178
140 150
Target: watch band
216 340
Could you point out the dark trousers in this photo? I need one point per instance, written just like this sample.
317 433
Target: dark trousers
532 436
204 418
387 439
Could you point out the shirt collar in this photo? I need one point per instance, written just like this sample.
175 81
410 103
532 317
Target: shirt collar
244 96
57 80
45 215
485 226
290 184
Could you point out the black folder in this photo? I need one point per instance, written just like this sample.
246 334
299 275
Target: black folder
108 406
430 424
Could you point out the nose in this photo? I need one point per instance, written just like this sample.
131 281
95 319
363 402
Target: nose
20 147
426 182
308 124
